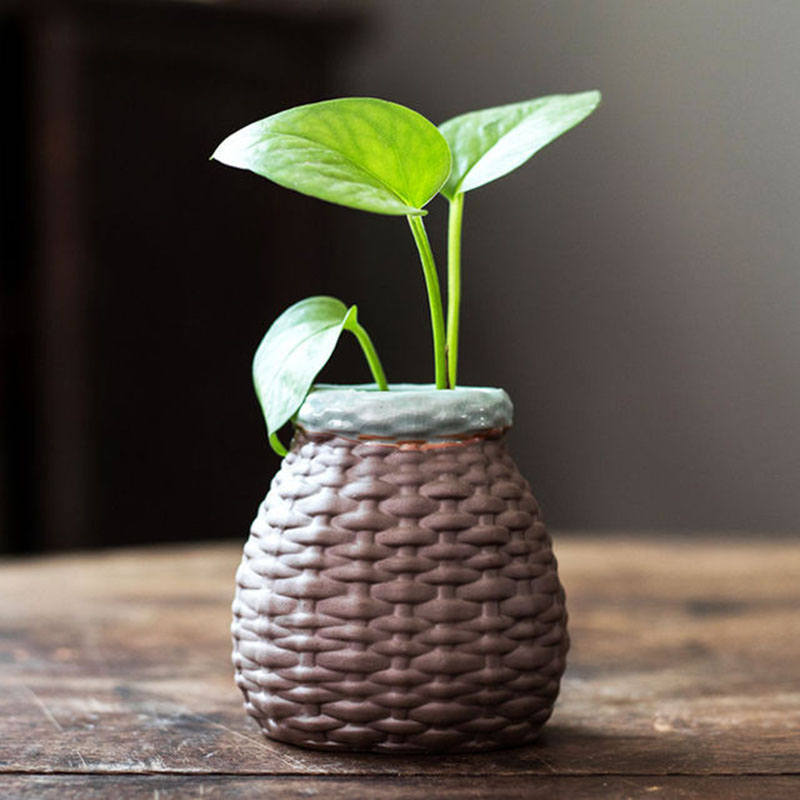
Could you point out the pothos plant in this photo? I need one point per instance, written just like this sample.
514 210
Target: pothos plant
382 157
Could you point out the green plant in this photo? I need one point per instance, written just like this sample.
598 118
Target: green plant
378 156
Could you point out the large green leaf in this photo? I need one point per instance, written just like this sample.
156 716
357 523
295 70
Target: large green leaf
291 354
491 143
360 152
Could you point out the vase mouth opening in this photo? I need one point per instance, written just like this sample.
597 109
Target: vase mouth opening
408 411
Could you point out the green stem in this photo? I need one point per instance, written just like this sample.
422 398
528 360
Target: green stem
434 298
454 222
277 445
370 353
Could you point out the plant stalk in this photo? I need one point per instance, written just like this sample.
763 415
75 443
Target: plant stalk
277 445
454 223
434 298
370 353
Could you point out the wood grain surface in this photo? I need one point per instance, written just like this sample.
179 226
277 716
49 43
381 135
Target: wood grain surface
683 681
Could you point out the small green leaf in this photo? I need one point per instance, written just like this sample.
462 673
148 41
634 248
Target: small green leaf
359 152
491 143
296 347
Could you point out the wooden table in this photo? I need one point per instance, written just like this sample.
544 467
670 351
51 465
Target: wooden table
683 681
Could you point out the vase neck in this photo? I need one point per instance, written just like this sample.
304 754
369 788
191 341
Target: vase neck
407 412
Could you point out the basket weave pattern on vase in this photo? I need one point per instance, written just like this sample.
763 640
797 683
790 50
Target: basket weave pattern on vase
399 599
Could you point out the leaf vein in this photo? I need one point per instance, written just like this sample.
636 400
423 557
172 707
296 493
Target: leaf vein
355 164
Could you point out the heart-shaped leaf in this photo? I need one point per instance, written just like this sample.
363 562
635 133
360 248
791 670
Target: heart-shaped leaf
490 143
359 152
291 354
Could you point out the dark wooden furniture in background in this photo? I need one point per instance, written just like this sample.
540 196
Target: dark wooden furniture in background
137 276
683 681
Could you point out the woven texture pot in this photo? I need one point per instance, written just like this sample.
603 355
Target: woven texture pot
398 591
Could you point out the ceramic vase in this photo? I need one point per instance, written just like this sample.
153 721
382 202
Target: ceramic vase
398 591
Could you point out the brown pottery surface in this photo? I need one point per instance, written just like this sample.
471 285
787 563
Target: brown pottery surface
399 597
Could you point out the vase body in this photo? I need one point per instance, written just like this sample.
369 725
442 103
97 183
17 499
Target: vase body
399 595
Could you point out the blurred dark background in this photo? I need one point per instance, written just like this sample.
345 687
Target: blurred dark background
635 287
